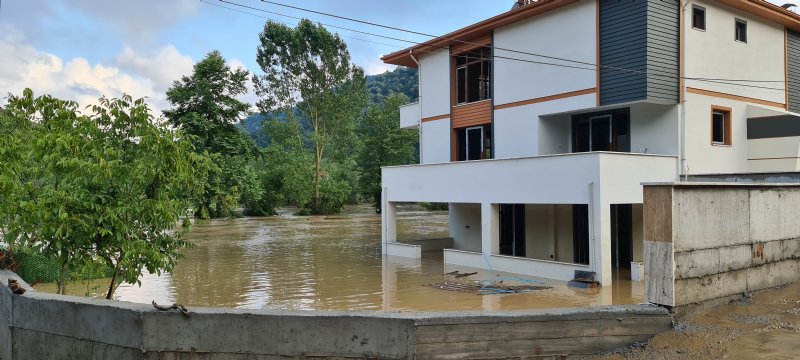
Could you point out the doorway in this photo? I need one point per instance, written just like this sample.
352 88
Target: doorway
621 236
512 229
607 131
474 143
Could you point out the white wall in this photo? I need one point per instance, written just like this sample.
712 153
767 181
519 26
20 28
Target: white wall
654 129
549 232
435 142
701 156
715 53
774 155
517 130
567 33
434 84
465 226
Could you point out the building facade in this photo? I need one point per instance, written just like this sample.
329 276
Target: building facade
538 126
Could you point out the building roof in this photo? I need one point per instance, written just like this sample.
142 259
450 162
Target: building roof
761 8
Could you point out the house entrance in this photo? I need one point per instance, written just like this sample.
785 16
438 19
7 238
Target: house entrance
474 143
621 236
512 229
607 131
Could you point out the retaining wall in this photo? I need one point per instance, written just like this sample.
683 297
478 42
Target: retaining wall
45 326
707 241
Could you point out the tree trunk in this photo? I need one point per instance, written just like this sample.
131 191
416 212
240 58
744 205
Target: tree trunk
112 288
62 278
318 180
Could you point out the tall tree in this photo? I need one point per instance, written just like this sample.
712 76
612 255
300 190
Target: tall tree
310 69
383 143
111 186
206 107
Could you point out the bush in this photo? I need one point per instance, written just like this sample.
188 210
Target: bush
35 267
434 206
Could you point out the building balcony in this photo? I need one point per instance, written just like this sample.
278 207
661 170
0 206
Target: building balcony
550 179
410 116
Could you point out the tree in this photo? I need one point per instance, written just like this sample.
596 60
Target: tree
108 187
206 107
309 69
383 143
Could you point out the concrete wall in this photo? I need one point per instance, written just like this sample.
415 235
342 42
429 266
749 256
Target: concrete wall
465 226
706 241
43 326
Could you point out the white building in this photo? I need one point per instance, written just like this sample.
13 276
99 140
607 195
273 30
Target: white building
541 153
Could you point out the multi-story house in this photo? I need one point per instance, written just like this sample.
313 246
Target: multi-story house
538 126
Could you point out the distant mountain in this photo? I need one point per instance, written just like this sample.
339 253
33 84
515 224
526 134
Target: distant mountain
400 80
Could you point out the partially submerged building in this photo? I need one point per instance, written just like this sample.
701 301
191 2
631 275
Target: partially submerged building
539 125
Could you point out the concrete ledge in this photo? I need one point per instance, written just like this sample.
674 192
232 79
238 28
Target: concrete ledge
404 250
45 326
431 244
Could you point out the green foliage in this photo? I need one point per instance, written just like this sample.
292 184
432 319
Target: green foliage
401 80
108 187
434 206
383 143
206 107
308 74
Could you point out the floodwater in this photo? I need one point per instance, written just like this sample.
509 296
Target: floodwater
334 263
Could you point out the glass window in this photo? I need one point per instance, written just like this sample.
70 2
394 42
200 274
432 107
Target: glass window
741 30
473 76
720 126
698 18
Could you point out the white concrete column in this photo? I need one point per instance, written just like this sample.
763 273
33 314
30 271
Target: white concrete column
600 235
490 229
388 222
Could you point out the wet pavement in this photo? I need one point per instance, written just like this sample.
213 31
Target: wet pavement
334 263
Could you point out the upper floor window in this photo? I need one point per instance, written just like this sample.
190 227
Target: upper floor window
698 17
741 30
473 75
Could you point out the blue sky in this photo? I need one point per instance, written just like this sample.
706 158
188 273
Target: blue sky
82 49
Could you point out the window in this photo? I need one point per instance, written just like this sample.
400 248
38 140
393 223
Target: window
698 18
474 143
741 30
473 76
720 126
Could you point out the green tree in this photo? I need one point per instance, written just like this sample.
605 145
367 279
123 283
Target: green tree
383 143
206 107
309 69
109 187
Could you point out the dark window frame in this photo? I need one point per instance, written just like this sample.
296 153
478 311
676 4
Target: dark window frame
695 10
740 30
466 64
721 134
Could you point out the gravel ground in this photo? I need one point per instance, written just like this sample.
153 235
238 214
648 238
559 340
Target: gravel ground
764 326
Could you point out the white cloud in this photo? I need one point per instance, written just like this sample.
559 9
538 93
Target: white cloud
162 67
23 66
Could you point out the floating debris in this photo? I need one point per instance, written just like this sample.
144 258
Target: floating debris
492 287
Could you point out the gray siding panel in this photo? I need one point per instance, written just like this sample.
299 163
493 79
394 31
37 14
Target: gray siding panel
793 76
639 50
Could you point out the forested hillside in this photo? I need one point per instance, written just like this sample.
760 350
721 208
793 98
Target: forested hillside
400 80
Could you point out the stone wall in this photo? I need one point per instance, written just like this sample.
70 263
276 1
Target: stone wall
707 241
46 326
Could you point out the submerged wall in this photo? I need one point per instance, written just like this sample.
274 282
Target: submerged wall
706 241
45 326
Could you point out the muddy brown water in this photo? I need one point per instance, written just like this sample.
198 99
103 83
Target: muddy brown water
333 263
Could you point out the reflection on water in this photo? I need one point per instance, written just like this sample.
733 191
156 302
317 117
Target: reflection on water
332 263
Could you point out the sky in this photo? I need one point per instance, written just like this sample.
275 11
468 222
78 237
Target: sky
84 49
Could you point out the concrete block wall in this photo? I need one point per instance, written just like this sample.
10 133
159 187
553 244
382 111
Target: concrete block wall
46 326
707 241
